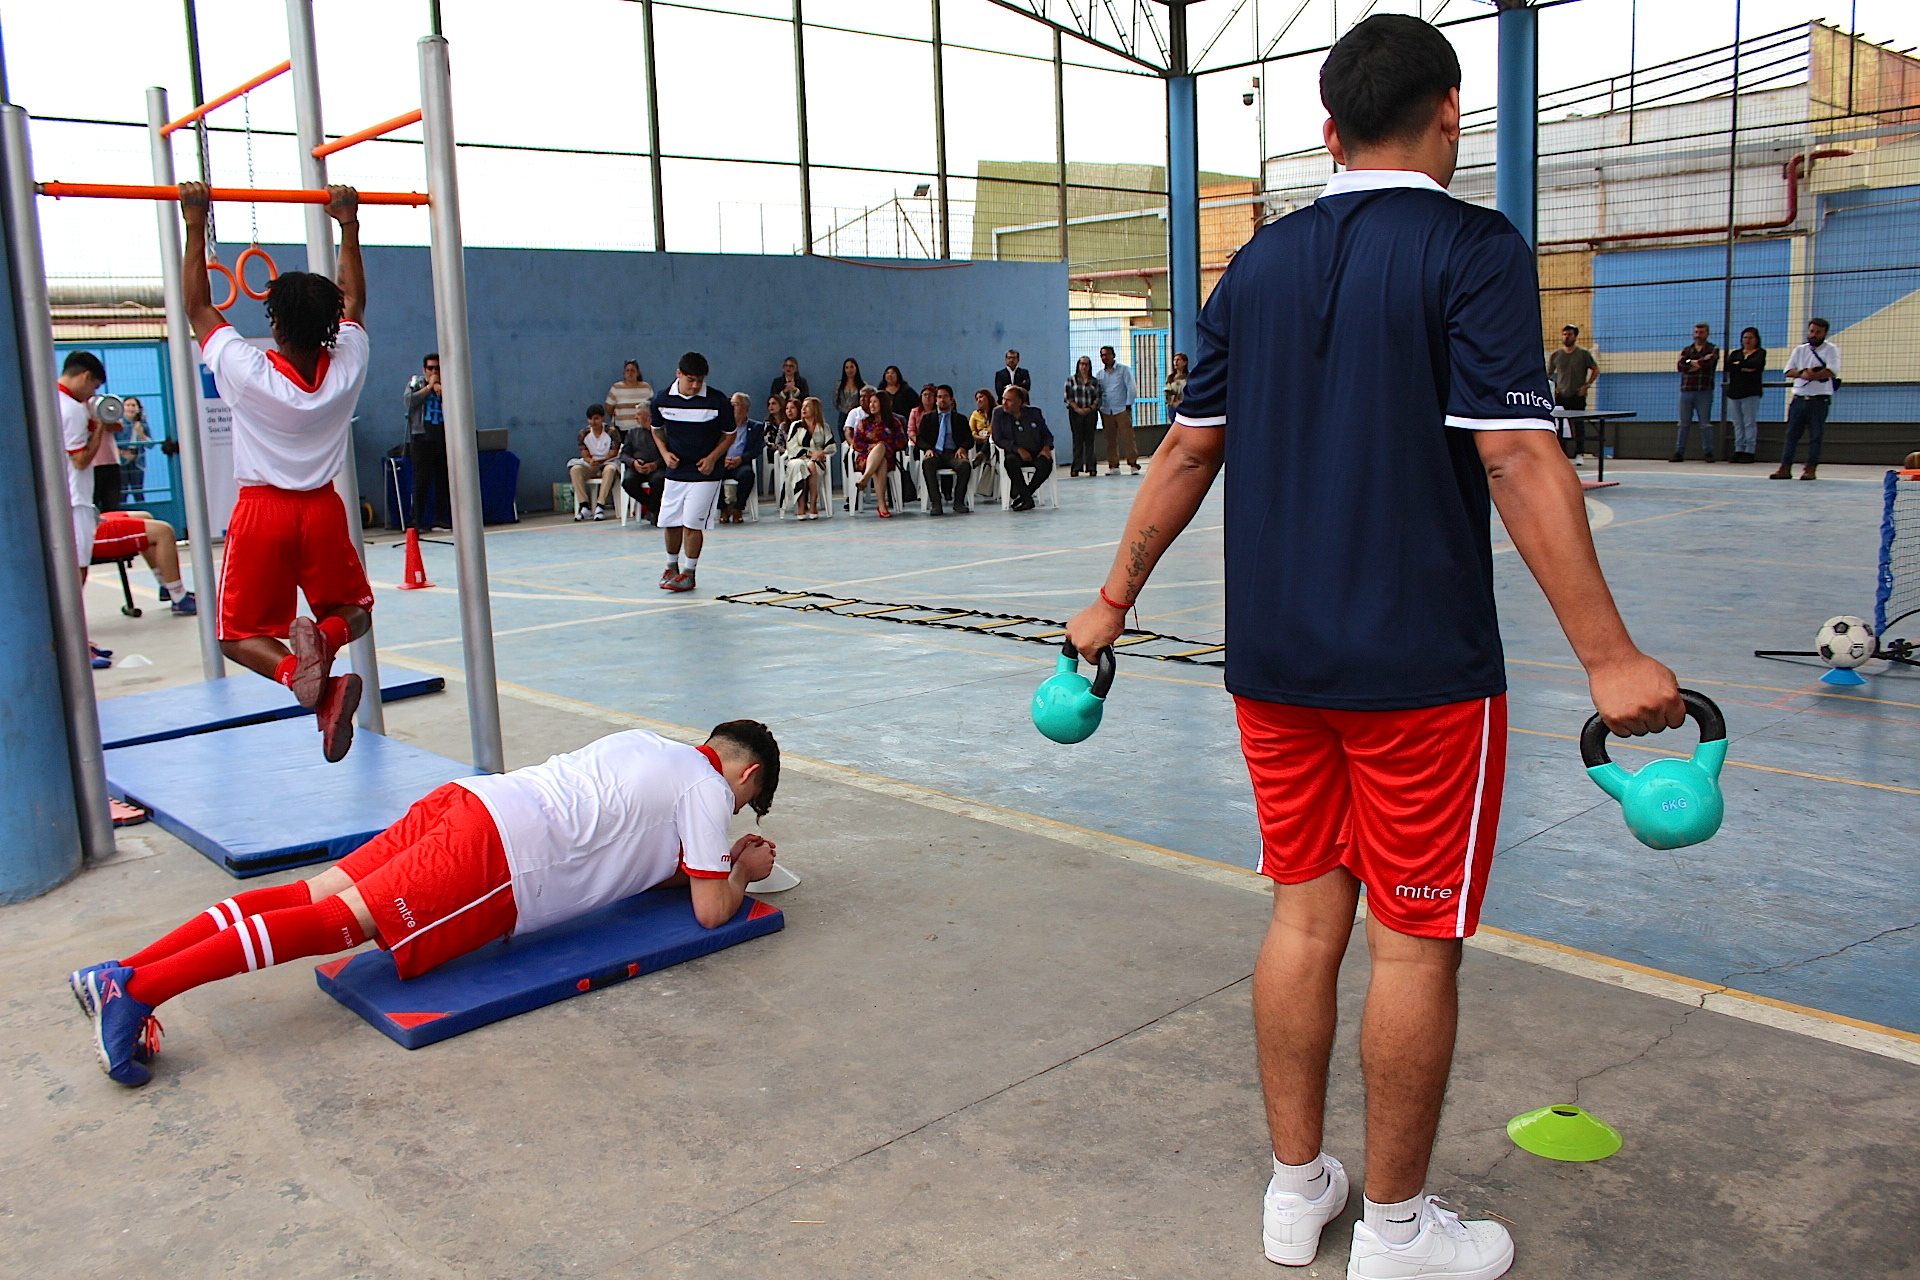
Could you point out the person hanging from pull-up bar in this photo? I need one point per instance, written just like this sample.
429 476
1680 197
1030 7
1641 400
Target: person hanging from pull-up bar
292 411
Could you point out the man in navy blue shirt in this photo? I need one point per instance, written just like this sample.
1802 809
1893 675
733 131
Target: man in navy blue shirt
1357 524
692 424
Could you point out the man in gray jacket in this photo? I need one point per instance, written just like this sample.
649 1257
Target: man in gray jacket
427 443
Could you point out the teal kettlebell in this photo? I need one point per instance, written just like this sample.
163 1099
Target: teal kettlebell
1669 804
1067 706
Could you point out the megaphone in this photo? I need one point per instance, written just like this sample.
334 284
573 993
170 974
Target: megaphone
1067 706
111 410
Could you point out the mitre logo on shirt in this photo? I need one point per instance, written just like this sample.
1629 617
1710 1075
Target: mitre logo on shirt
1529 399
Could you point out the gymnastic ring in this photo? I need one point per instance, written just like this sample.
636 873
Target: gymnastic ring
240 271
233 285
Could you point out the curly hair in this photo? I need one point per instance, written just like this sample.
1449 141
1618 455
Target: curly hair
305 309
757 741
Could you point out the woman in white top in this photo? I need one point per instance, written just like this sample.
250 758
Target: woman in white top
809 445
599 450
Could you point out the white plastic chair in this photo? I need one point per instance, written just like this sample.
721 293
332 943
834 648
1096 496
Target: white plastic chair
1048 494
850 468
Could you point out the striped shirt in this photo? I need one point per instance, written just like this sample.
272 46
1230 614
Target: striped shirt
625 403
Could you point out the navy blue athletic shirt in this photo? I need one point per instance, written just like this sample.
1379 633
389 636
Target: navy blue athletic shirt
1350 352
693 426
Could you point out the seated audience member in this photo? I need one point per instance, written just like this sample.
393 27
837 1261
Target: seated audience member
809 453
1026 442
597 462
981 422
749 437
876 442
129 533
789 385
946 443
645 475
498 855
921 407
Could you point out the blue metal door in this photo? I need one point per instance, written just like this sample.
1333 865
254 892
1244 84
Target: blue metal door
149 467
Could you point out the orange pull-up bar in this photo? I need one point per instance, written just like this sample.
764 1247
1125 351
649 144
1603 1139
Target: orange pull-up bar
370 132
225 98
231 195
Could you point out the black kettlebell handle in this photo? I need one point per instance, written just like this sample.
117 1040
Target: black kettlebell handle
1104 667
1713 727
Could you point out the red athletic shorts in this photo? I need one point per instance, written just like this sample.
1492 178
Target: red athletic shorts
279 540
117 537
1406 800
436 881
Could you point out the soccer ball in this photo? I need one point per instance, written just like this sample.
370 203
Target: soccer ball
1844 641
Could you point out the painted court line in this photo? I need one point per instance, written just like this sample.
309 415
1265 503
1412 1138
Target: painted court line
1887 1042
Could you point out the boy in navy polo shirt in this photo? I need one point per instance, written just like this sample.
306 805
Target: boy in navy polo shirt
693 426
1357 487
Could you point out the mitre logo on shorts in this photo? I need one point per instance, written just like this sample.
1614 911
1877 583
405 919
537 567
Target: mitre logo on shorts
406 914
1530 400
1420 891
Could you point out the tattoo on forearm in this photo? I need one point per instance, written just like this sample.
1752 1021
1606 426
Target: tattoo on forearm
1137 558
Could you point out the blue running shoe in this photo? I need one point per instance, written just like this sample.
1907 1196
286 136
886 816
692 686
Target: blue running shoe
164 596
77 982
100 660
184 607
125 1032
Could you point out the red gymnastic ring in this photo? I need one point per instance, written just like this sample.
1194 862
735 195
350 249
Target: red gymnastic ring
240 271
233 286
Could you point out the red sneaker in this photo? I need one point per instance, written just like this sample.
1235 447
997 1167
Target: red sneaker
668 577
335 714
681 582
313 662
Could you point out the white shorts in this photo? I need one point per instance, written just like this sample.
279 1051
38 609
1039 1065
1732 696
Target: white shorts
85 521
689 504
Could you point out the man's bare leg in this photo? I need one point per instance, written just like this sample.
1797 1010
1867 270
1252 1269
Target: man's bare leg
1406 1053
264 654
335 883
673 542
695 540
1295 1006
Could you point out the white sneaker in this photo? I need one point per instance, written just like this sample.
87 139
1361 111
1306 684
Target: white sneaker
1445 1249
1290 1228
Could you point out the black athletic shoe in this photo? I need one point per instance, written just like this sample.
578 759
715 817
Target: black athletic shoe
1679 457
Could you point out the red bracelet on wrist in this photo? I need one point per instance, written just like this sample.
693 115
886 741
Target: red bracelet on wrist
1111 603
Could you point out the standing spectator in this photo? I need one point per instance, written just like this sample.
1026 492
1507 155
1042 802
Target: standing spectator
749 437
133 459
1814 371
107 482
1572 369
1696 365
946 442
1175 388
900 397
1083 415
789 385
598 461
1745 368
846 397
427 444
877 441
809 449
1116 412
1011 374
628 398
645 474
693 426
1025 441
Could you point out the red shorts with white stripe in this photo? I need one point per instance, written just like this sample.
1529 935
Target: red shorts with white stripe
436 881
116 537
1408 801
280 541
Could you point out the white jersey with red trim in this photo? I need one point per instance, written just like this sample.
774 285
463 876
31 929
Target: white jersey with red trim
74 424
605 822
287 432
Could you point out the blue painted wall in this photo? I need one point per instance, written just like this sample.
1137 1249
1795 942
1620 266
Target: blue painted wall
551 328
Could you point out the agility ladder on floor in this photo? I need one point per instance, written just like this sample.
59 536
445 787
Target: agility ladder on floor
1048 631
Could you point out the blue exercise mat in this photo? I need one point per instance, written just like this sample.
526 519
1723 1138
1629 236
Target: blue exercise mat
636 935
160 714
261 798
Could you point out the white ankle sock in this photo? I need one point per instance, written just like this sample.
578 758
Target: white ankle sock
174 590
1309 1179
692 564
673 564
1395 1223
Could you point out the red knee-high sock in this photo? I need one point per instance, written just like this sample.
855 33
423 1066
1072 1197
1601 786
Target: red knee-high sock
255 943
223 916
336 632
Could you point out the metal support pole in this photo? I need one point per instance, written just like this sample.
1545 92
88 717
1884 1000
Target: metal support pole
653 133
800 121
940 190
1728 343
33 319
456 379
1183 185
1517 133
199 94
308 134
1060 137
183 364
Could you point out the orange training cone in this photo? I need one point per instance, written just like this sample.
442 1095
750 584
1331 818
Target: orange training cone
416 575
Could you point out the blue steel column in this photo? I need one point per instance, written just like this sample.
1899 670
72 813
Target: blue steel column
1516 171
1183 185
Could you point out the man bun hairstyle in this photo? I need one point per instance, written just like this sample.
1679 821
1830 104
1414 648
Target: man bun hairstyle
305 308
84 362
693 364
1381 82
756 740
